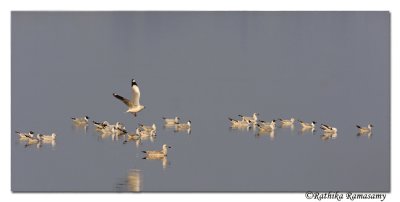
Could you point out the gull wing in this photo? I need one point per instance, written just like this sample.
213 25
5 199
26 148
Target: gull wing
124 100
135 93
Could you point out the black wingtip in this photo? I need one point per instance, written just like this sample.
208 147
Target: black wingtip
73 118
280 119
17 132
144 151
240 115
144 158
358 126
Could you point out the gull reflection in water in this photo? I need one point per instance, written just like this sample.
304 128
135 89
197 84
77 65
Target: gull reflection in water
132 138
163 159
291 126
169 126
80 126
33 141
270 133
240 127
303 130
135 180
183 130
368 134
117 137
31 144
49 142
146 138
328 136
132 183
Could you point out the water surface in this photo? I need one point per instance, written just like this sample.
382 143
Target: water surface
331 67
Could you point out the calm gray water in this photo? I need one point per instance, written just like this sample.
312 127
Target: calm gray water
331 67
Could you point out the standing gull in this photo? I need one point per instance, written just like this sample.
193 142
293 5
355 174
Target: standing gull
134 105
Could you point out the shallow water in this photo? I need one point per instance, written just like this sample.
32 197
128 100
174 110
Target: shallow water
331 67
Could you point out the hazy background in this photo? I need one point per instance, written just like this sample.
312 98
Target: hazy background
331 67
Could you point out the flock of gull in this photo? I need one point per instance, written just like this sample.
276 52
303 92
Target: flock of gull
149 131
268 127
144 132
118 129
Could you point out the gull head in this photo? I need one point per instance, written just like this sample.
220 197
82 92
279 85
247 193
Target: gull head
86 118
370 126
133 82
165 146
